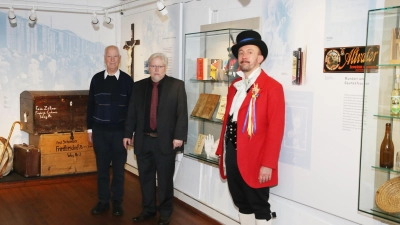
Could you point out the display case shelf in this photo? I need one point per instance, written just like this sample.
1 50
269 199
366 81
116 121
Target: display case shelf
378 85
206 120
389 64
396 170
213 44
388 116
203 157
395 217
209 81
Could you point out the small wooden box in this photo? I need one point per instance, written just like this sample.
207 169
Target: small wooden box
26 160
64 153
53 111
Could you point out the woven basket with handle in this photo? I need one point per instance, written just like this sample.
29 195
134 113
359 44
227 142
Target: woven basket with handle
388 196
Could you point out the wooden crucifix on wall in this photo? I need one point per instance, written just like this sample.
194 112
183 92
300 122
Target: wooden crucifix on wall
129 45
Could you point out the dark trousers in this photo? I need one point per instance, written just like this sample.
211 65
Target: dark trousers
249 200
109 148
151 161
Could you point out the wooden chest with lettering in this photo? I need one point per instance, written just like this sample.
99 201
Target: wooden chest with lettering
53 111
64 153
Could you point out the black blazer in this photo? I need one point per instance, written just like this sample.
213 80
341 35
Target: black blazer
172 114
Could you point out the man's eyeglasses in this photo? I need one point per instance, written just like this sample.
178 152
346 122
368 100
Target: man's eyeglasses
158 67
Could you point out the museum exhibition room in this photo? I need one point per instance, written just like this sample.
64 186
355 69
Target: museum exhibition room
336 61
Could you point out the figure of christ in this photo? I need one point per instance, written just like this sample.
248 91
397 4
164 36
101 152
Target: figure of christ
129 49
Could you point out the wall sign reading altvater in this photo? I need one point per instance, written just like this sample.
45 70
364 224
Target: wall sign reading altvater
351 59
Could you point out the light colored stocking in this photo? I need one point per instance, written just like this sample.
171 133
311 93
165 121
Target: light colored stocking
264 222
247 219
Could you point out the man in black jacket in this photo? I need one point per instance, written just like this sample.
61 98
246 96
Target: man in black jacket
109 94
158 117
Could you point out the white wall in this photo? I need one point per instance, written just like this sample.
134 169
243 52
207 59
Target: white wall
325 192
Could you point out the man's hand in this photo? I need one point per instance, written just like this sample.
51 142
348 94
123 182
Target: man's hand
127 142
89 137
265 174
177 143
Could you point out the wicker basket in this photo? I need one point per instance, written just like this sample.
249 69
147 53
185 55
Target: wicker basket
388 196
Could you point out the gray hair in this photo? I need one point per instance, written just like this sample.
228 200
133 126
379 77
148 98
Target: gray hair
111 46
162 56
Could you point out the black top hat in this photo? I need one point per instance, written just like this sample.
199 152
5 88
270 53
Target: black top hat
250 37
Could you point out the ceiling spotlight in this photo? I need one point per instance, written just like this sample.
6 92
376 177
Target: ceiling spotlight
32 17
107 19
11 16
161 7
95 21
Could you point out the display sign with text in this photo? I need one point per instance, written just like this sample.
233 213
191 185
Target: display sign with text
351 59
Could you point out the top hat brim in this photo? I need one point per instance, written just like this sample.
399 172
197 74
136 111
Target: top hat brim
259 43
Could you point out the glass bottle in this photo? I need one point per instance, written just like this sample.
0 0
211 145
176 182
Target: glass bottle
395 98
397 161
387 149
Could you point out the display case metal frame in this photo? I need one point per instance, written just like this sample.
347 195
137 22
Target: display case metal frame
376 112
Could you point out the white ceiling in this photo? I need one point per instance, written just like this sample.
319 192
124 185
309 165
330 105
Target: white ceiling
65 5
81 6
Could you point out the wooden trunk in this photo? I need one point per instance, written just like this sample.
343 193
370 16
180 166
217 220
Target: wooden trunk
53 111
64 153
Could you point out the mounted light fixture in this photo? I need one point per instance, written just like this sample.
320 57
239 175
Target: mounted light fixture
11 16
161 7
32 17
107 19
95 21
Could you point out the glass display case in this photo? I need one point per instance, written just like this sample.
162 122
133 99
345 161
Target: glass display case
209 68
380 139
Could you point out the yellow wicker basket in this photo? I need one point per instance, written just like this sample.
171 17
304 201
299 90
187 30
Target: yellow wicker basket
388 196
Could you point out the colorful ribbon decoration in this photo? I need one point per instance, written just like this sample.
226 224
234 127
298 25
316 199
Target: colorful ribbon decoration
251 112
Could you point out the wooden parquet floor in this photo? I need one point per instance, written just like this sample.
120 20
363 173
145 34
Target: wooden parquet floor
69 199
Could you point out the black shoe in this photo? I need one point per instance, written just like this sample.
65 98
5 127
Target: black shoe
117 209
100 208
141 217
163 220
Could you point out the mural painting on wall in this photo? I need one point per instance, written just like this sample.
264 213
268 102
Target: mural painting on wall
43 58
277 31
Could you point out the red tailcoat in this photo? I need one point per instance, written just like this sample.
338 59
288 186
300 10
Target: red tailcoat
263 148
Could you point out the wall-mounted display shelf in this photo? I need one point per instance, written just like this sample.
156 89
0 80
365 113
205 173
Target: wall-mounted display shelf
209 68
